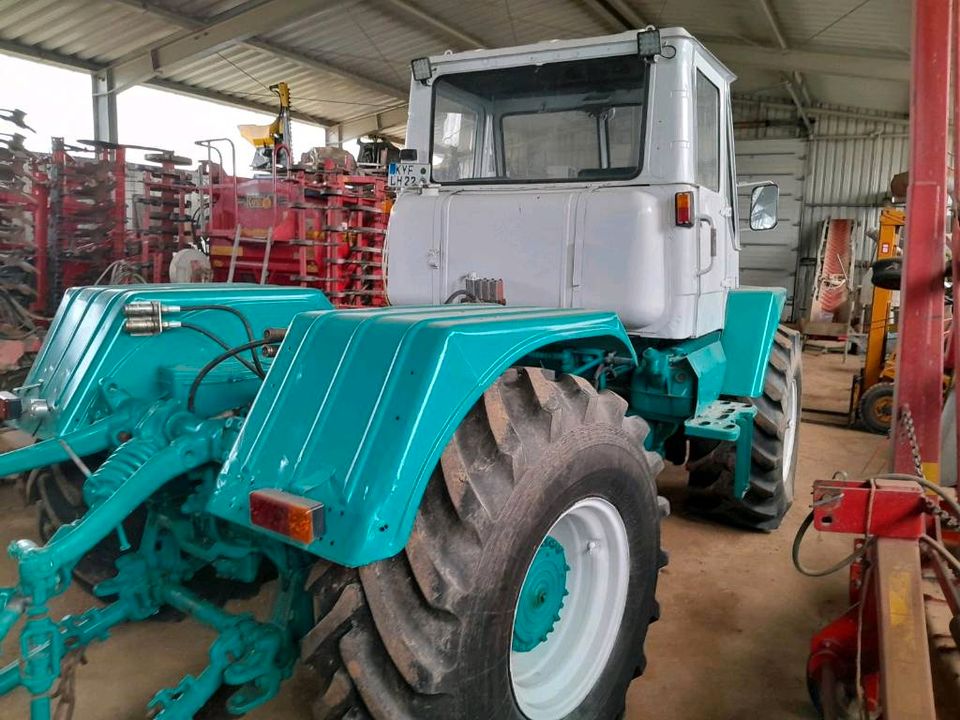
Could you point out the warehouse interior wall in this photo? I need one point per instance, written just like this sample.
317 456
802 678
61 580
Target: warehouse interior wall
849 162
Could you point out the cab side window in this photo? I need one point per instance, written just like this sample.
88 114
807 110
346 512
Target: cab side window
708 133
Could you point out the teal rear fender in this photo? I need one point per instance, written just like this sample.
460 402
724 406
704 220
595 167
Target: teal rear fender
359 405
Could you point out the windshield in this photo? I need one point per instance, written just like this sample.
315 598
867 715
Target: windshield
578 120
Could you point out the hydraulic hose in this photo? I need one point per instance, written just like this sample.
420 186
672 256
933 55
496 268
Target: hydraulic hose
222 343
246 326
205 370
857 554
798 540
932 487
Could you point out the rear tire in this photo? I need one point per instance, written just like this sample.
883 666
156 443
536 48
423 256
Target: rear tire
431 633
773 453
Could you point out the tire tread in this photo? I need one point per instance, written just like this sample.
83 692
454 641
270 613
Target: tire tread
386 639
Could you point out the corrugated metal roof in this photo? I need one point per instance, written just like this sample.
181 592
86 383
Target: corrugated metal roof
100 31
848 24
351 58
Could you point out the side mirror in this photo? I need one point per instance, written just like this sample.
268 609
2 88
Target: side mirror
763 206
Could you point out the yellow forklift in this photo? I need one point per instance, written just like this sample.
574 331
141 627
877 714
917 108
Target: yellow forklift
871 393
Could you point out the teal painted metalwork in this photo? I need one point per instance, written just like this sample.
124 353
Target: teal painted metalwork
86 345
741 470
718 421
752 316
730 421
354 413
541 597
100 388
166 444
359 405
675 382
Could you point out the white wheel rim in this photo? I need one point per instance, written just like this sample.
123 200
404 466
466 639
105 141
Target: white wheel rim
792 412
553 678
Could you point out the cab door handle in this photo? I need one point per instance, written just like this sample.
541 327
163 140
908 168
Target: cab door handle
706 219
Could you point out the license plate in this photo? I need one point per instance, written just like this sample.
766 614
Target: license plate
405 175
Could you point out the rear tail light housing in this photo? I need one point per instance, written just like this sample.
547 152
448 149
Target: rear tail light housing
297 518
683 208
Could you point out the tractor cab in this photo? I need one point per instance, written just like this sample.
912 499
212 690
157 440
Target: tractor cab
594 173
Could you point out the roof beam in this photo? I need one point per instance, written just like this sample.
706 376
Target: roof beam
865 114
795 84
47 56
367 125
13 47
341 71
208 40
462 39
617 13
324 66
874 67
232 100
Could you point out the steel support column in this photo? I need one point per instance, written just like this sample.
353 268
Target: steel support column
920 359
104 106
955 239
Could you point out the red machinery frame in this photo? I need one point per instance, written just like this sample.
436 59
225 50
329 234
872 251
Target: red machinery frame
879 647
323 229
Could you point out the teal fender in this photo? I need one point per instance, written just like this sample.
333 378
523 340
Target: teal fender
750 322
86 346
358 406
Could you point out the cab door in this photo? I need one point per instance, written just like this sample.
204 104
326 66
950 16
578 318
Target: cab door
715 212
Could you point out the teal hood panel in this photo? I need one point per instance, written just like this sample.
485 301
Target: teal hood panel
86 345
359 405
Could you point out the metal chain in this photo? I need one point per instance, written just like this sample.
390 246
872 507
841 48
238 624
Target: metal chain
906 419
947 519
66 691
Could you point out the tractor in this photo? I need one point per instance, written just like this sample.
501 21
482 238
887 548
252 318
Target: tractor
454 496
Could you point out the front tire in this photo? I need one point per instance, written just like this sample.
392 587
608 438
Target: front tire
876 407
471 620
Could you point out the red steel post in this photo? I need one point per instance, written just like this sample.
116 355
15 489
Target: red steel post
955 239
920 358
119 249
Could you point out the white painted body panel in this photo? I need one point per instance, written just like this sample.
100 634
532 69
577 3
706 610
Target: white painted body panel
609 245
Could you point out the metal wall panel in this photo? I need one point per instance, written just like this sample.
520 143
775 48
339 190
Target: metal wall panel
851 165
850 161
769 258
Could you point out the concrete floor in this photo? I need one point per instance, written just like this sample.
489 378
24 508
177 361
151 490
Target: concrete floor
731 644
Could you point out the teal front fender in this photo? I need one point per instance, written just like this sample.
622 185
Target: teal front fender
751 320
359 405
